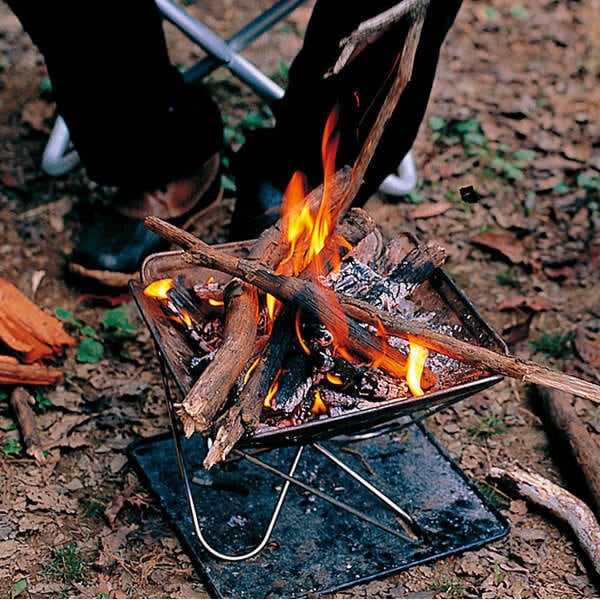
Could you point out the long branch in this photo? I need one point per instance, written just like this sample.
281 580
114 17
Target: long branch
315 299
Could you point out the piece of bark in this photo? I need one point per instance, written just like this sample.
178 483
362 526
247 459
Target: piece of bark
27 329
29 374
21 402
565 425
562 504
209 394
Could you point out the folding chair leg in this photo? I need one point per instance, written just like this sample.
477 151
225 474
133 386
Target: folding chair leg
54 160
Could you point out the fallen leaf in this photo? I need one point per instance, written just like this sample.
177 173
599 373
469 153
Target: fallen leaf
517 332
506 244
587 342
538 304
425 211
36 114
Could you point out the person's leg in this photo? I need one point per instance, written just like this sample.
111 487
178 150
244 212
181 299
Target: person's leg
126 106
134 122
294 142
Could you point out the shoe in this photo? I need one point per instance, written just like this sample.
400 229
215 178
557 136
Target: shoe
112 248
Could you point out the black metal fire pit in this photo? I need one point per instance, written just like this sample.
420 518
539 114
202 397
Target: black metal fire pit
315 507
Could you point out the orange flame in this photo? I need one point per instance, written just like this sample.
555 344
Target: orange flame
159 288
303 344
250 369
214 302
319 407
268 401
333 379
416 362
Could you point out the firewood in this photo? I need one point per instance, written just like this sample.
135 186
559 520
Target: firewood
558 501
21 401
29 374
315 300
27 329
578 445
209 394
371 29
309 297
243 415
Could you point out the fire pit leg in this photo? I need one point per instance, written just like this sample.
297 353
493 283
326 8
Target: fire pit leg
409 537
188 488
409 523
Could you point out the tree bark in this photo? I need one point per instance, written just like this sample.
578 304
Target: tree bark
21 401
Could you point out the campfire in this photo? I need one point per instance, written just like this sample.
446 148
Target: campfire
318 321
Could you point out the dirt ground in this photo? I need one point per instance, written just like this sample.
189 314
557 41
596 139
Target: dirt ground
514 113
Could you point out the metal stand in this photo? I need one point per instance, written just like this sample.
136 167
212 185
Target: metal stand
57 161
411 532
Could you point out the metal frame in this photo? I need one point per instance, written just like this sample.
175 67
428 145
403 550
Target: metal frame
411 532
58 160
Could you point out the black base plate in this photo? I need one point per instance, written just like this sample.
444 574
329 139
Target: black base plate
316 548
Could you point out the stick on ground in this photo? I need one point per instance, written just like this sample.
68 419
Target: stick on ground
561 503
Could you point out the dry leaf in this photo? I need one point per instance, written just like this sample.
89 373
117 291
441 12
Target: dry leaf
537 304
425 211
506 244
587 342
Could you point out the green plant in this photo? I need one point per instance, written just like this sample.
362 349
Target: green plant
42 403
11 447
116 324
455 590
495 498
485 427
66 564
554 345
509 278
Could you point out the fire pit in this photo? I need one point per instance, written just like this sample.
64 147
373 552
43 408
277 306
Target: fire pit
387 455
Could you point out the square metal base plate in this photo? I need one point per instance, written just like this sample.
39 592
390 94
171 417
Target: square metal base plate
316 548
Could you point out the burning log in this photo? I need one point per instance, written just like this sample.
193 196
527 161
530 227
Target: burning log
315 301
512 366
21 401
243 415
209 394
312 299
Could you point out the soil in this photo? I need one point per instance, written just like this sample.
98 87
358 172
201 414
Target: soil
514 113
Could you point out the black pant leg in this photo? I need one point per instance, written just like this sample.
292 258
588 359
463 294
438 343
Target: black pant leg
132 119
358 91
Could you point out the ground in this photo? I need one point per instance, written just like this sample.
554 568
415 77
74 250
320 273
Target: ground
514 113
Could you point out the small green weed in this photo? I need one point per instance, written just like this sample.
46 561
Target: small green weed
67 564
486 427
554 345
42 403
454 590
495 498
11 447
116 327
508 278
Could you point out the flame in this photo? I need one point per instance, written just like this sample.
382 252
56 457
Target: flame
303 344
159 288
272 304
416 361
333 379
319 407
214 302
249 371
268 401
